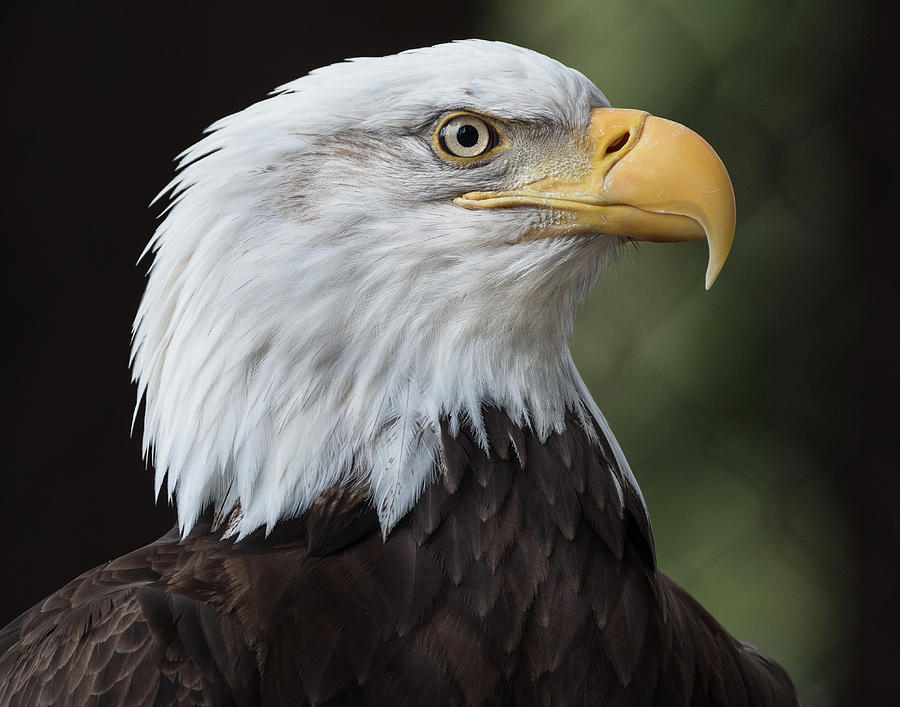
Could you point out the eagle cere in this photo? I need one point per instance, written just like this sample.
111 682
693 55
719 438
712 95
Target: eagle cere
392 484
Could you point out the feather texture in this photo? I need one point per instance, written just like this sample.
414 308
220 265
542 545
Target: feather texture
317 303
513 581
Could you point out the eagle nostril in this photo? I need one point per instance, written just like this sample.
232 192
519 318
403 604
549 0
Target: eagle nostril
618 143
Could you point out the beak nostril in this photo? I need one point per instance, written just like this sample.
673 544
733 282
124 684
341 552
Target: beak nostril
618 143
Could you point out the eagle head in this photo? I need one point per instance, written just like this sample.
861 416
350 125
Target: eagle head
383 245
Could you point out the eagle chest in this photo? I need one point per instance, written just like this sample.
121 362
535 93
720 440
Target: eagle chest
519 577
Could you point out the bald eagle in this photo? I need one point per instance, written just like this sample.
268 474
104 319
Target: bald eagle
392 485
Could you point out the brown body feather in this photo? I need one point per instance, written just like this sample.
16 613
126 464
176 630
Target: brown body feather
522 577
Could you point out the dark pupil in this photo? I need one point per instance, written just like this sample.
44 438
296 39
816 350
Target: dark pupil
467 135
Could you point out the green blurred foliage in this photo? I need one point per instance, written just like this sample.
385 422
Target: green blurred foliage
727 403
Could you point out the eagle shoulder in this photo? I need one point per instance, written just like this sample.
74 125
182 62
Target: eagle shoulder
138 630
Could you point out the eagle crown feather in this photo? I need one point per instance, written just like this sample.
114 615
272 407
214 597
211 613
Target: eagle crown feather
317 303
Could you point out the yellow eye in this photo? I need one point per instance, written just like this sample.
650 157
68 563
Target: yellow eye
466 136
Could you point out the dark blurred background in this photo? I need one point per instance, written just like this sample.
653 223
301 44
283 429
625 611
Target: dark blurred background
760 418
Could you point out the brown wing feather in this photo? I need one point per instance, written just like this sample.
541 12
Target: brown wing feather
523 576
712 667
116 636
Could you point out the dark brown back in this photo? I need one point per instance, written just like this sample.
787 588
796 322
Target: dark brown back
525 576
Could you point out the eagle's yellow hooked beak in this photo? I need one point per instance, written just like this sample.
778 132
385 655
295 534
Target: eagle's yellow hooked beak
649 179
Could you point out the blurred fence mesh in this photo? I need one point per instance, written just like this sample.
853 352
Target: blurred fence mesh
724 402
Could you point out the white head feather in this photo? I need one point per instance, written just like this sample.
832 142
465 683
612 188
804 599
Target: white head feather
317 303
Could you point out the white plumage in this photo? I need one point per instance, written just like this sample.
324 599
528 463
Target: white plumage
317 302
361 297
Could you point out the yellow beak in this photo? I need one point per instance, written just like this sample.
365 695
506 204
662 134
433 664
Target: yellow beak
648 179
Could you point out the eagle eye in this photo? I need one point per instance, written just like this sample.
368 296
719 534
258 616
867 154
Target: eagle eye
465 136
